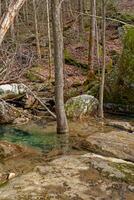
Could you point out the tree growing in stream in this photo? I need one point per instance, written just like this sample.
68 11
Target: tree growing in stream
62 126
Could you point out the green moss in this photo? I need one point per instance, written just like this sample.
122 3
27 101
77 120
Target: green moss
33 75
72 92
127 170
120 82
126 17
125 82
93 88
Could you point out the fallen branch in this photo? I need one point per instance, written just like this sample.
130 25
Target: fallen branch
39 100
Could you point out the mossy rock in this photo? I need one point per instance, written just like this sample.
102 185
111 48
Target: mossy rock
80 106
69 59
126 169
121 80
125 82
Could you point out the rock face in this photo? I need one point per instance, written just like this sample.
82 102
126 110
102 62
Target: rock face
80 106
119 144
71 177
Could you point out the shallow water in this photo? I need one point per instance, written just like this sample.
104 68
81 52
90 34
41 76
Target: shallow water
46 139
33 135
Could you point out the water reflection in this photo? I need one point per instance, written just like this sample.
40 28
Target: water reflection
63 142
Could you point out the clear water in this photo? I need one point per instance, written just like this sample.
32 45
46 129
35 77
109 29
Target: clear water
35 136
45 138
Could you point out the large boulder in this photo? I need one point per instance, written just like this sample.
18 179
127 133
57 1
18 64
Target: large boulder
121 80
80 106
12 88
125 82
12 92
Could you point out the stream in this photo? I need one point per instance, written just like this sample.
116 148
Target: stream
35 136
94 162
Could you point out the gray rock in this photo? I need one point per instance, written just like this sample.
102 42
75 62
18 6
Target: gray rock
80 106
12 88
131 188
121 125
118 144
69 177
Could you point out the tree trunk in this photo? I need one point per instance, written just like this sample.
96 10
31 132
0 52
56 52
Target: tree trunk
62 126
81 20
49 39
36 30
101 112
8 18
92 37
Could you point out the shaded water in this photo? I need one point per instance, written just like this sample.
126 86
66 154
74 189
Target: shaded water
35 136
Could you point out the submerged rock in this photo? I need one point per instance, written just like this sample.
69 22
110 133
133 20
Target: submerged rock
9 150
7 113
80 106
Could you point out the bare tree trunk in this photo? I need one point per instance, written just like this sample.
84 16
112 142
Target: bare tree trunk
49 39
36 30
101 112
81 21
0 9
62 126
92 37
97 48
8 18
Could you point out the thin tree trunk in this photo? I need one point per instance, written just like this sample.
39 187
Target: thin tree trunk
92 37
0 9
101 112
8 18
81 21
97 48
36 30
49 39
62 126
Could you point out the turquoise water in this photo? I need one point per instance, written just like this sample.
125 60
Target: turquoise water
45 139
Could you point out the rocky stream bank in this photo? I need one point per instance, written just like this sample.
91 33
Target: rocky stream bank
95 162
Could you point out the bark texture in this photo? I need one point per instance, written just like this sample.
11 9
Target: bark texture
8 17
62 126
